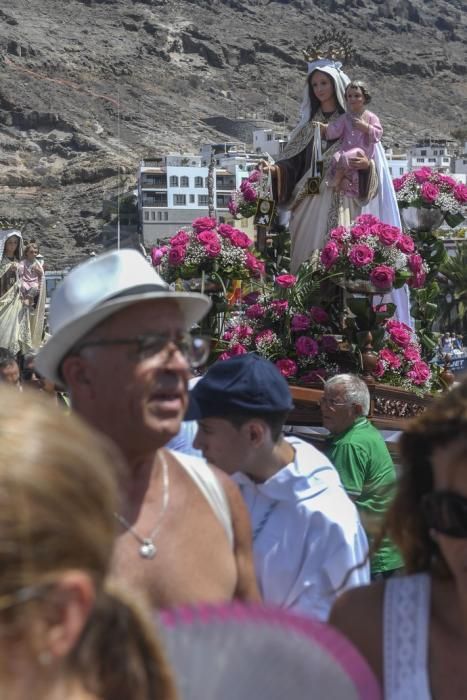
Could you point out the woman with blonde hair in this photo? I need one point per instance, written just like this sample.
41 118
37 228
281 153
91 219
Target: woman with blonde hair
64 631
413 629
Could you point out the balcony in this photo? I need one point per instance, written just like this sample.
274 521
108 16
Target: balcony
158 201
154 182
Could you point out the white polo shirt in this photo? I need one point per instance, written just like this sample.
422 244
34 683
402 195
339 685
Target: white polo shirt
307 534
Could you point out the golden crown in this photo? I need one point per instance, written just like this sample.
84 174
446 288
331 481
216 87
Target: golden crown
330 44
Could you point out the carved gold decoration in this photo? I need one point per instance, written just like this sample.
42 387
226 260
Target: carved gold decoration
330 44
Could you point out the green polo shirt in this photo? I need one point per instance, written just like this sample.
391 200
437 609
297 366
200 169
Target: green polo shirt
368 475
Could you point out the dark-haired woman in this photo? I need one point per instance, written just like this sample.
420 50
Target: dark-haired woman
413 629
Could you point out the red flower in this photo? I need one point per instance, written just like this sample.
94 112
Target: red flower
382 277
398 183
300 322
400 336
177 255
226 230
412 353
180 238
213 249
361 255
208 236
429 192
419 373
422 174
389 235
415 262
406 244
306 346
286 281
240 239
390 358
254 311
319 315
287 368
203 222
460 193
329 254
417 280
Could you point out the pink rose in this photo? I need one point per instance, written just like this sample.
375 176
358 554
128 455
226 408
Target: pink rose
422 174
226 230
398 183
306 346
392 323
224 356
419 373
316 376
180 238
177 255
213 249
429 192
240 239
268 335
406 244
203 222
287 368
390 358
249 194
319 315
254 311
279 306
286 281
367 219
238 349
329 254
379 370
157 254
412 353
389 235
415 262
447 181
254 265
337 234
254 176
382 277
329 344
400 336
208 237
460 193
300 322
361 255
243 332
359 231
417 280
228 335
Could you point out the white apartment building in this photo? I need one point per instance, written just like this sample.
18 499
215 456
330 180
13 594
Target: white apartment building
398 163
173 189
460 163
269 141
434 154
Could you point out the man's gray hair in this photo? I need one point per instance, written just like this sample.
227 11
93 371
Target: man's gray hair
355 390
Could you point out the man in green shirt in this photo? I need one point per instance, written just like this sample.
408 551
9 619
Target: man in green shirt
359 453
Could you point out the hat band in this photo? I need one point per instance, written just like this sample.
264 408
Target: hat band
141 289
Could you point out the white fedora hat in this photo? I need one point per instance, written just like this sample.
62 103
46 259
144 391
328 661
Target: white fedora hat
98 288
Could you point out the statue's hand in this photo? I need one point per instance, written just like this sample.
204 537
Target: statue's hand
359 162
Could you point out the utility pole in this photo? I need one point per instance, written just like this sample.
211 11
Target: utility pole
211 175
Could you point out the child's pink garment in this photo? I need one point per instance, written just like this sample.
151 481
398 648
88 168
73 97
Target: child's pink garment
30 277
353 143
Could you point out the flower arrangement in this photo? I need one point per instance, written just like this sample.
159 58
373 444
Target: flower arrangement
400 361
427 188
244 202
376 253
275 325
208 247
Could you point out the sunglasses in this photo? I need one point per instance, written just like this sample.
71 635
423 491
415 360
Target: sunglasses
446 512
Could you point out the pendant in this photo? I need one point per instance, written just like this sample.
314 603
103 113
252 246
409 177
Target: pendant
148 550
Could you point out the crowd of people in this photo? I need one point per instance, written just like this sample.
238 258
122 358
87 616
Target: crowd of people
94 504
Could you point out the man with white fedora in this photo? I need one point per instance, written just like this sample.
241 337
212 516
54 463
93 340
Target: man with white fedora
120 343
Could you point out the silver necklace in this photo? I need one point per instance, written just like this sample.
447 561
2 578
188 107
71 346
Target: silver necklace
148 549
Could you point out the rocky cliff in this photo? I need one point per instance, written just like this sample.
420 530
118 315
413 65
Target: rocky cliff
88 87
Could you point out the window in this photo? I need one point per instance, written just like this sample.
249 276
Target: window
146 216
198 181
269 137
420 160
435 153
155 199
180 200
173 181
184 181
153 216
192 198
390 170
445 160
432 160
203 200
423 153
222 200
159 216
166 215
401 171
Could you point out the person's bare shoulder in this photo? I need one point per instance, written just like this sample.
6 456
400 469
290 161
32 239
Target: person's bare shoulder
358 614
247 587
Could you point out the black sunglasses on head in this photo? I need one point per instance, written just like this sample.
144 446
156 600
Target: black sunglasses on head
446 512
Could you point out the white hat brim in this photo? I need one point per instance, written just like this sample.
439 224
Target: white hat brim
193 307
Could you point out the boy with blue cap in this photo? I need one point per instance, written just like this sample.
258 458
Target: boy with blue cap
307 534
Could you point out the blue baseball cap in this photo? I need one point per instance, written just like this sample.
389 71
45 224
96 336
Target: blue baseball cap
247 383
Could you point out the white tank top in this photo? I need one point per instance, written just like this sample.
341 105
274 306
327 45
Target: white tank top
405 633
209 485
